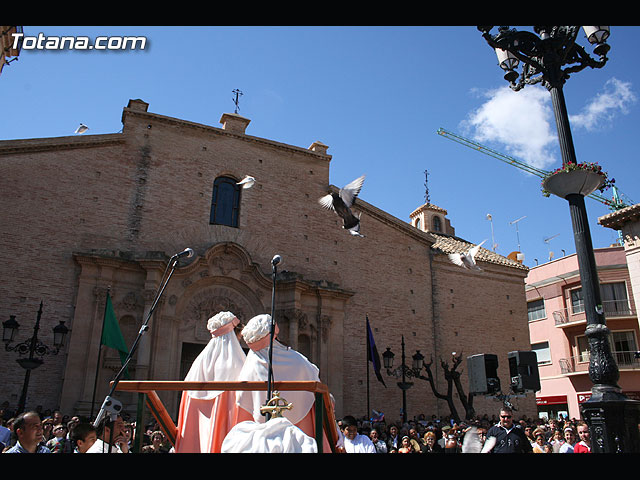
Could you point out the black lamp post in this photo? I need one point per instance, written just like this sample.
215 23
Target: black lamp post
403 371
613 418
30 348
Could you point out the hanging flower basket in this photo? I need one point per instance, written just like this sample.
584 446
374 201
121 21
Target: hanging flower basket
580 178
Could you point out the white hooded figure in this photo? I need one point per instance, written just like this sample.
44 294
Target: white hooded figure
206 416
288 365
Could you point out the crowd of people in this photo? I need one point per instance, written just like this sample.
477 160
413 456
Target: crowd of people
498 434
53 432
50 431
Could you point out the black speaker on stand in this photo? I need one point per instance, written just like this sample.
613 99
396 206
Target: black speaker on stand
523 370
483 374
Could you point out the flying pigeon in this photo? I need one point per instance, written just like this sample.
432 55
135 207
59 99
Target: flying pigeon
82 128
247 182
341 203
472 443
467 260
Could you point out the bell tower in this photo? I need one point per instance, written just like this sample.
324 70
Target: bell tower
429 217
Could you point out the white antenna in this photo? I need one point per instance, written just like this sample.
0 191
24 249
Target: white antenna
546 240
517 232
493 240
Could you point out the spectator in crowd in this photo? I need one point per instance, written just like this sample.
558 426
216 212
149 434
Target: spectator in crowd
509 438
444 435
584 444
129 430
5 437
415 441
452 443
405 445
430 443
156 446
393 439
83 437
381 446
569 440
59 443
47 429
110 437
557 440
528 431
539 443
28 430
354 442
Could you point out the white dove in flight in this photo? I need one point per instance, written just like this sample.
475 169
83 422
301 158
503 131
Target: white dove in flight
341 203
81 128
472 443
467 260
247 182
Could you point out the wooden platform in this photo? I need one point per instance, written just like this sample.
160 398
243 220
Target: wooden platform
147 390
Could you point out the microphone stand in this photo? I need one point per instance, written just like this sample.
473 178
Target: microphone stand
105 409
272 334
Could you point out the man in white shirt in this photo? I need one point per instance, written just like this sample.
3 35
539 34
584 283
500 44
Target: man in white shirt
106 435
353 441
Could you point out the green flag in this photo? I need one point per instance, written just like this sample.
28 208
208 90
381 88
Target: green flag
111 334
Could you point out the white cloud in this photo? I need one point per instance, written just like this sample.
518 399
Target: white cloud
521 121
601 110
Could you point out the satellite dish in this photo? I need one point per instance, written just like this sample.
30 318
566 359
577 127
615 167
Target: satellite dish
516 256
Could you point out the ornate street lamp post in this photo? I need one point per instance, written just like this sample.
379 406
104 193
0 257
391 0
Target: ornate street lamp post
403 371
548 57
30 348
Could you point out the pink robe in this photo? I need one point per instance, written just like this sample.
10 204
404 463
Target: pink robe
206 417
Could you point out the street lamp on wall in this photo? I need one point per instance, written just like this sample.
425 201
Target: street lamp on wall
31 350
549 56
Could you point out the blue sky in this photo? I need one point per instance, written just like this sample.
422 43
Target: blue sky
375 95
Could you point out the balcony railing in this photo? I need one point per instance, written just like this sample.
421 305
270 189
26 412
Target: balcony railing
612 309
625 360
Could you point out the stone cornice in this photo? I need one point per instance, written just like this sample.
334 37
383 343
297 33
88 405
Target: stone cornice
9 147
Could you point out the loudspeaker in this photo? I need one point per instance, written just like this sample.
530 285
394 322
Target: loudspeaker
483 373
523 370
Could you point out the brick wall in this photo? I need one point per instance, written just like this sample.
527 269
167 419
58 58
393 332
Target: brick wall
149 189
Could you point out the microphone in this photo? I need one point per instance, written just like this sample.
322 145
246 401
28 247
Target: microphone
187 252
276 260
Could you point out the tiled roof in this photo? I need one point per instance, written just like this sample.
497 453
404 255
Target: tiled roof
428 206
447 244
620 217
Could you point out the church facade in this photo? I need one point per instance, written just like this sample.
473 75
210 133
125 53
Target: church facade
97 214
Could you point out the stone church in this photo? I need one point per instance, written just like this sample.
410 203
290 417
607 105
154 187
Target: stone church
89 214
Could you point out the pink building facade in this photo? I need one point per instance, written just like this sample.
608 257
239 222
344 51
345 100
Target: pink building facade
557 329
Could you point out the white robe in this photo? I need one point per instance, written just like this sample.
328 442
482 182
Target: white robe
288 365
278 435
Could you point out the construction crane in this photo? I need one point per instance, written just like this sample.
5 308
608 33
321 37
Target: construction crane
615 203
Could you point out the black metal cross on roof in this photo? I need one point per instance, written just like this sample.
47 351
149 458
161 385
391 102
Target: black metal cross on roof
235 100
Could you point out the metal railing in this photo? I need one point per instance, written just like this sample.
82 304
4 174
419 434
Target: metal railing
580 363
612 309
